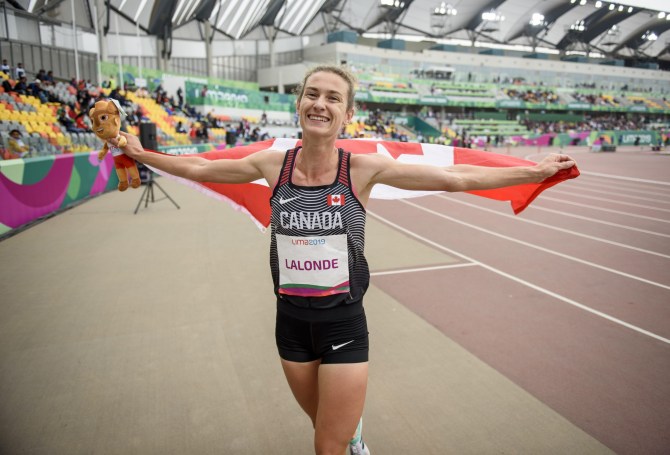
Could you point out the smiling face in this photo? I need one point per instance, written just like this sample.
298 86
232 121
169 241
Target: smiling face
106 120
323 106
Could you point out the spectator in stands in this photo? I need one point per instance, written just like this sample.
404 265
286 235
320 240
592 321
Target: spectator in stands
255 134
82 121
134 117
190 111
85 121
202 134
231 136
67 121
211 119
115 94
193 132
5 67
7 86
168 105
21 86
246 127
49 78
35 89
84 99
19 71
180 97
160 95
180 128
203 92
16 146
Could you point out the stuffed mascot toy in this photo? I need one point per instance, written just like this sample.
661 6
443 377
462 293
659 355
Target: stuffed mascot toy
106 118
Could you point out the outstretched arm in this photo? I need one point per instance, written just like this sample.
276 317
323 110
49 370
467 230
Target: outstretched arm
256 166
462 177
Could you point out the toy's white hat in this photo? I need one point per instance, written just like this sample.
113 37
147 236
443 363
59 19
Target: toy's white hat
118 106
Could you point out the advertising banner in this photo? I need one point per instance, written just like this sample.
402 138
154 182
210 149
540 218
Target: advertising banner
220 96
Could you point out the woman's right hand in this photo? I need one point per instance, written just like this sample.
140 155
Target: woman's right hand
133 148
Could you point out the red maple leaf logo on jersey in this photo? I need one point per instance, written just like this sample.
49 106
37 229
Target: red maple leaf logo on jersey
336 199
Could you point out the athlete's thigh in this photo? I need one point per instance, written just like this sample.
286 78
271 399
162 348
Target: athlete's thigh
302 378
342 388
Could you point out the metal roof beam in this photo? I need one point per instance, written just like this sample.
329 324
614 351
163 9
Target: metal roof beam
124 16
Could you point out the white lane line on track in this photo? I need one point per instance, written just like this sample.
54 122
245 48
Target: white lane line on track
537 247
623 194
421 269
595 198
595 207
618 187
556 228
623 177
595 220
599 174
523 282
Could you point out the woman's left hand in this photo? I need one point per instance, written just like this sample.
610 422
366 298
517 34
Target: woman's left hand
554 163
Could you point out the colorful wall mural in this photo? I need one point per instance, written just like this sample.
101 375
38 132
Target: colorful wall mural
36 187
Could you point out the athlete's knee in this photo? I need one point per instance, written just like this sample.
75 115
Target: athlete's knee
330 449
328 445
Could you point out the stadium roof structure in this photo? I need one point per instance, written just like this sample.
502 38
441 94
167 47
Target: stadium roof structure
626 29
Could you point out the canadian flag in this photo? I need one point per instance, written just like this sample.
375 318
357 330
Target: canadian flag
253 198
336 199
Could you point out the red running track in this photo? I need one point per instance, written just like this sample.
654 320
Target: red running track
570 299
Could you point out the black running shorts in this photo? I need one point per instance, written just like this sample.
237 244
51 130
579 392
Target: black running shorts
340 341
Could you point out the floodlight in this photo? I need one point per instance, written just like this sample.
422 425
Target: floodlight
492 16
578 26
537 19
395 4
444 9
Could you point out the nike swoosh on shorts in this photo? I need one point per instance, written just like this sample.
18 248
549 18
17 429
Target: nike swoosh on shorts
336 347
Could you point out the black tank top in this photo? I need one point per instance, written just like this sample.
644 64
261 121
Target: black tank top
317 242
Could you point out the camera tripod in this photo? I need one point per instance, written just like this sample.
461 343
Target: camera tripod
148 193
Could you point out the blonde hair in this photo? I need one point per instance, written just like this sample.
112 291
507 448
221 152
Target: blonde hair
341 71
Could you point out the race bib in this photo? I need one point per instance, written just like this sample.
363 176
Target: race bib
313 266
